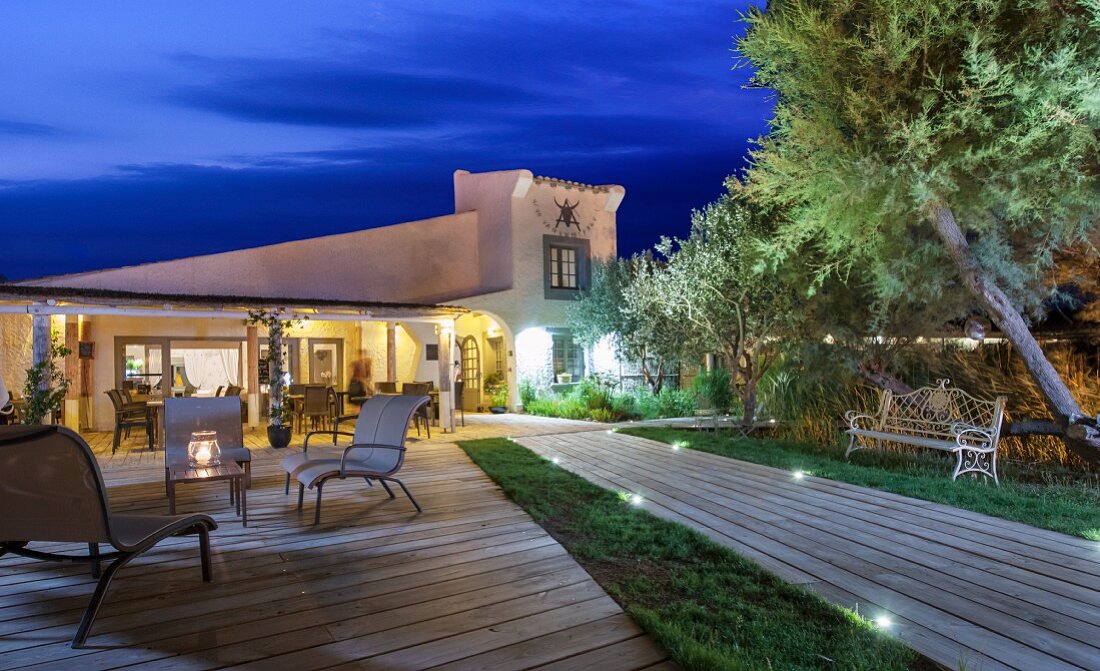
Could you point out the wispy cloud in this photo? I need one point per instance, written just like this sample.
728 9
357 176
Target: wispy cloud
10 127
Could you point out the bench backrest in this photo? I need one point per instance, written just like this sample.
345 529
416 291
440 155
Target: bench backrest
932 412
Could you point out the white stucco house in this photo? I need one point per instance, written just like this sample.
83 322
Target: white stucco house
478 292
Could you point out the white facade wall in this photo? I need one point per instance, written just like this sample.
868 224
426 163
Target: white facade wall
488 256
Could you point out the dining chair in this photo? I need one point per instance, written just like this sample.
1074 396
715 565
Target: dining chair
423 412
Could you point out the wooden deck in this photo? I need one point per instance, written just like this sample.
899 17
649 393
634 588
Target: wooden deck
961 588
472 583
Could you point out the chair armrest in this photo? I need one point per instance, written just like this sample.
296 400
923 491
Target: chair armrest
305 445
371 446
854 419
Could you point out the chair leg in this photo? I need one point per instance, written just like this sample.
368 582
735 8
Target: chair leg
409 494
97 599
93 552
287 483
204 551
428 425
387 488
301 494
118 436
317 509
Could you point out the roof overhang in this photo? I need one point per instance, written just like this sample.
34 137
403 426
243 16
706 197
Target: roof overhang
23 299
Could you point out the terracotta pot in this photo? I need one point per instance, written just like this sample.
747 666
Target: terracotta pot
278 436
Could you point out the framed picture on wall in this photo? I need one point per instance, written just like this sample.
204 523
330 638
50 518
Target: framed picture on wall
86 350
431 352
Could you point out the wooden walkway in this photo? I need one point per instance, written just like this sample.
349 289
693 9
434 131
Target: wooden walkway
472 583
961 588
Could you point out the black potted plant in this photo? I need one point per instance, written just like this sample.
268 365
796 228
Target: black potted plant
280 409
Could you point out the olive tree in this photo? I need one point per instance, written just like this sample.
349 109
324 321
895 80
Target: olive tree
715 289
945 145
639 330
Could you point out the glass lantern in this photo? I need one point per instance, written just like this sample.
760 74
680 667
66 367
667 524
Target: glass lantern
203 450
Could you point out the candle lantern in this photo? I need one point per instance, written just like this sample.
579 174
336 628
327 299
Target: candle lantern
203 449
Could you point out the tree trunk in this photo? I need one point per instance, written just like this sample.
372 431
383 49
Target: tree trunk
747 392
1012 325
882 380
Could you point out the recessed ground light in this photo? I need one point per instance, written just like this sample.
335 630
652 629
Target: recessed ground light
798 475
556 460
884 622
636 499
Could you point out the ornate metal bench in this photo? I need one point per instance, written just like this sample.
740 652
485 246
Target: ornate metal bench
937 418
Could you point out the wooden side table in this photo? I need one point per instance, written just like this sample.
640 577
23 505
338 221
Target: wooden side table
238 494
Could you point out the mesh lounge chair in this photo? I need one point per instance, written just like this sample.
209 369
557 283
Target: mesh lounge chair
182 416
51 491
377 450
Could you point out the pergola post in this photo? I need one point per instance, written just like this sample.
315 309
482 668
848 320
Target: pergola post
446 375
86 379
391 351
253 375
71 407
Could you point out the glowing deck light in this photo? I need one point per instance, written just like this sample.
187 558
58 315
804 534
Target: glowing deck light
884 622
556 460
798 475
636 499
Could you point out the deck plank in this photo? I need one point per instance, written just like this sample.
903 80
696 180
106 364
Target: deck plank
966 587
472 577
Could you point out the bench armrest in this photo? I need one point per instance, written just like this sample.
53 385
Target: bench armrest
855 420
971 437
371 446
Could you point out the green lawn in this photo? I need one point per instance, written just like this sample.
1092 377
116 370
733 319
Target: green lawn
1069 508
709 607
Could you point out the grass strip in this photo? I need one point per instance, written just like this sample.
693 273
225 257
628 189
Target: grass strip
709 607
1072 509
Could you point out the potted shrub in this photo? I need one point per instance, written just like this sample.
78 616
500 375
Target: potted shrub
46 385
280 408
497 389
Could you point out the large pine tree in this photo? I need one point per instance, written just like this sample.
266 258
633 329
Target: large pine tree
942 144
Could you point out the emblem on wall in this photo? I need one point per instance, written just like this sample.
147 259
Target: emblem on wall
567 217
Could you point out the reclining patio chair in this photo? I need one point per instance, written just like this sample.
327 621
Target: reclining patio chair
183 416
51 491
377 450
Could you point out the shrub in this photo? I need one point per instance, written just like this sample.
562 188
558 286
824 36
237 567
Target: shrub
714 387
668 403
603 415
527 393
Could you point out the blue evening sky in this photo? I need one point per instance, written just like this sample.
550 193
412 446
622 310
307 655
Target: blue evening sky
137 131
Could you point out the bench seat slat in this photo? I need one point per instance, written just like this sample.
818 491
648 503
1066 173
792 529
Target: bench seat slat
919 441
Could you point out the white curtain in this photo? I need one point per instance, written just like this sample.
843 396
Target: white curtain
208 369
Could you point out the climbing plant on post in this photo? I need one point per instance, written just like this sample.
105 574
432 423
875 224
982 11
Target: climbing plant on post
46 384
945 146
280 412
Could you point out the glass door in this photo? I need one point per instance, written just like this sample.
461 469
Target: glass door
326 362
